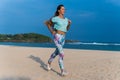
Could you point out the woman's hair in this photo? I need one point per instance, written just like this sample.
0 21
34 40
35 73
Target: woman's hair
58 8
49 22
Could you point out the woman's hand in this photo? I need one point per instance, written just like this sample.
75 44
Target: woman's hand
68 27
53 32
69 22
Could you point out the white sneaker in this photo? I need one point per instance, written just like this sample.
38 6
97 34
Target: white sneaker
48 67
64 73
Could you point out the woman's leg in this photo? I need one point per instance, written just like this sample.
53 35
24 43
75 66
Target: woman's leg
51 59
59 42
53 56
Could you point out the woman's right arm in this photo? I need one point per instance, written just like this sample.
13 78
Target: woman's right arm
49 25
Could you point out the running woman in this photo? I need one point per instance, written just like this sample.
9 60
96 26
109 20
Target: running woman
58 26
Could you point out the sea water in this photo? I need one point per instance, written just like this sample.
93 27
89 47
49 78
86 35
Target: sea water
77 45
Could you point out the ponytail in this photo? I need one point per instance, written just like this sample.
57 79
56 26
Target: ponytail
58 8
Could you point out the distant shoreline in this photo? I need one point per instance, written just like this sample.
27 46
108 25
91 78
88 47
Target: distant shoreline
28 37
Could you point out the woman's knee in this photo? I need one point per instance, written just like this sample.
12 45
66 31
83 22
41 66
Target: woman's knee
61 56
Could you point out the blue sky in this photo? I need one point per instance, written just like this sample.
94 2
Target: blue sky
92 20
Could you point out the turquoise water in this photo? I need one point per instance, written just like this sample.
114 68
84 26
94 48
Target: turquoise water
79 45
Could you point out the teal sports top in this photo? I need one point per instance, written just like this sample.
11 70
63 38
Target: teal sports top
60 24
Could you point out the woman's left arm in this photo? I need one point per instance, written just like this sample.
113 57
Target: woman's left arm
68 26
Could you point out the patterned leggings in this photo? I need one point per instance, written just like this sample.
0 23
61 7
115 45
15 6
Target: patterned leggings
59 41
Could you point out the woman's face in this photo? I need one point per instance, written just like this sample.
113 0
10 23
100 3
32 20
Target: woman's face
62 10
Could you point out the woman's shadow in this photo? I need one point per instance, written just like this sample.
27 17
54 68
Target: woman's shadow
42 64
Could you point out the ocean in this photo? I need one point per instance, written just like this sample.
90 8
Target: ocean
77 45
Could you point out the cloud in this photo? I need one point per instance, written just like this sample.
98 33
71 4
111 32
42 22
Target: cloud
86 14
115 2
81 14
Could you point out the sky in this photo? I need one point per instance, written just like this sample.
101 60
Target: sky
92 20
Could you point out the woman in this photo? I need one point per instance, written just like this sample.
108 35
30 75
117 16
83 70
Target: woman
60 26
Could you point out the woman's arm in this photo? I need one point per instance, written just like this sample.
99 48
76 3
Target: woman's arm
69 23
49 25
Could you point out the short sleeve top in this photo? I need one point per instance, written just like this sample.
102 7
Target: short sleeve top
60 24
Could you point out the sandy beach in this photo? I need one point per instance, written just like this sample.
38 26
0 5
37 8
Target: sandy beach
28 63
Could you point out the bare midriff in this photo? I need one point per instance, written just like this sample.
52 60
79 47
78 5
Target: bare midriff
60 32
